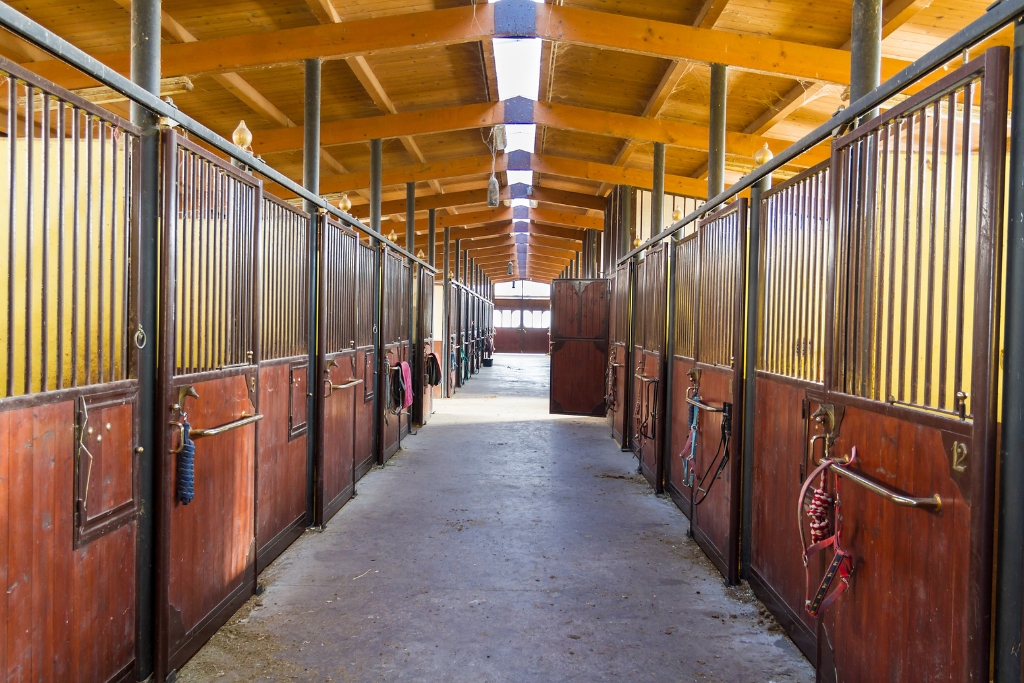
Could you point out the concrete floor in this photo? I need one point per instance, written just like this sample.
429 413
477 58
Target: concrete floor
501 544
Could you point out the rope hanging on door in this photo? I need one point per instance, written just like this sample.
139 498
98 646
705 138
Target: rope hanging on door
821 510
689 452
186 466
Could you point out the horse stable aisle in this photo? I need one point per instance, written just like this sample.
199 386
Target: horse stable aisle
501 544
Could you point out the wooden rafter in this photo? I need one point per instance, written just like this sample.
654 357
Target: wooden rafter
614 175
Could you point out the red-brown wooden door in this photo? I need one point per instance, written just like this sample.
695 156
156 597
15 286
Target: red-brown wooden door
69 388
579 346
617 374
340 384
209 343
366 360
281 462
647 371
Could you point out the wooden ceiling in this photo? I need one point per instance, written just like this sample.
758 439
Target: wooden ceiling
427 63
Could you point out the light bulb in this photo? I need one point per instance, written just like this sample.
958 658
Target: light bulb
763 155
345 204
242 137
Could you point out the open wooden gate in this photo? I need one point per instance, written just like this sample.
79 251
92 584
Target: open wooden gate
648 339
906 356
340 382
209 379
281 465
69 391
579 346
710 268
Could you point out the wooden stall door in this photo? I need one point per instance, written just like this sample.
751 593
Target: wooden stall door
789 371
910 377
209 354
649 338
69 393
340 383
579 346
423 406
716 383
617 377
366 361
687 280
281 463
394 314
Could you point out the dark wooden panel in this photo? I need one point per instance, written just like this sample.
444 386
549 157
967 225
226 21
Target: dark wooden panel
646 439
363 454
577 371
910 565
595 303
680 432
565 308
212 542
66 614
780 452
280 464
339 437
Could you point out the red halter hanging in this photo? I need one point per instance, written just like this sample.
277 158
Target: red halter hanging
820 511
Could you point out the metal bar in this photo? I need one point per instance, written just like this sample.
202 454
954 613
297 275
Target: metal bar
1010 557
865 49
314 330
997 16
36 34
30 135
236 424
933 502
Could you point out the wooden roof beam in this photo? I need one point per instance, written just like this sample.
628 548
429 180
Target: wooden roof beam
894 15
521 110
398 175
606 173
472 23
327 41
667 40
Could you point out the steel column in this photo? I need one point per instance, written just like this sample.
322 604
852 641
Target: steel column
1010 554
446 291
376 180
431 236
145 72
626 220
311 181
410 218
865 50
658 189
716 138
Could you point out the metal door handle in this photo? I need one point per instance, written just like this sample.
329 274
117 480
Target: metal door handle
346 385
214 431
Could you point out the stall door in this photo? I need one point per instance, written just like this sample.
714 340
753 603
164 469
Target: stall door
649 338
910 379
209 350
395 347
617 379
714 388
366 360
340 385
579 346
424 392
281 464
69 390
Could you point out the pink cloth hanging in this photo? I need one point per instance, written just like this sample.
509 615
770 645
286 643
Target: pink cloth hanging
407 378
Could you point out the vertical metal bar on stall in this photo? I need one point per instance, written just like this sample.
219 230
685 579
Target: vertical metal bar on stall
156 498
750 367
658 189
1010 558
311 181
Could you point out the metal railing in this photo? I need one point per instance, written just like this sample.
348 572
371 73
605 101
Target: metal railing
24 27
